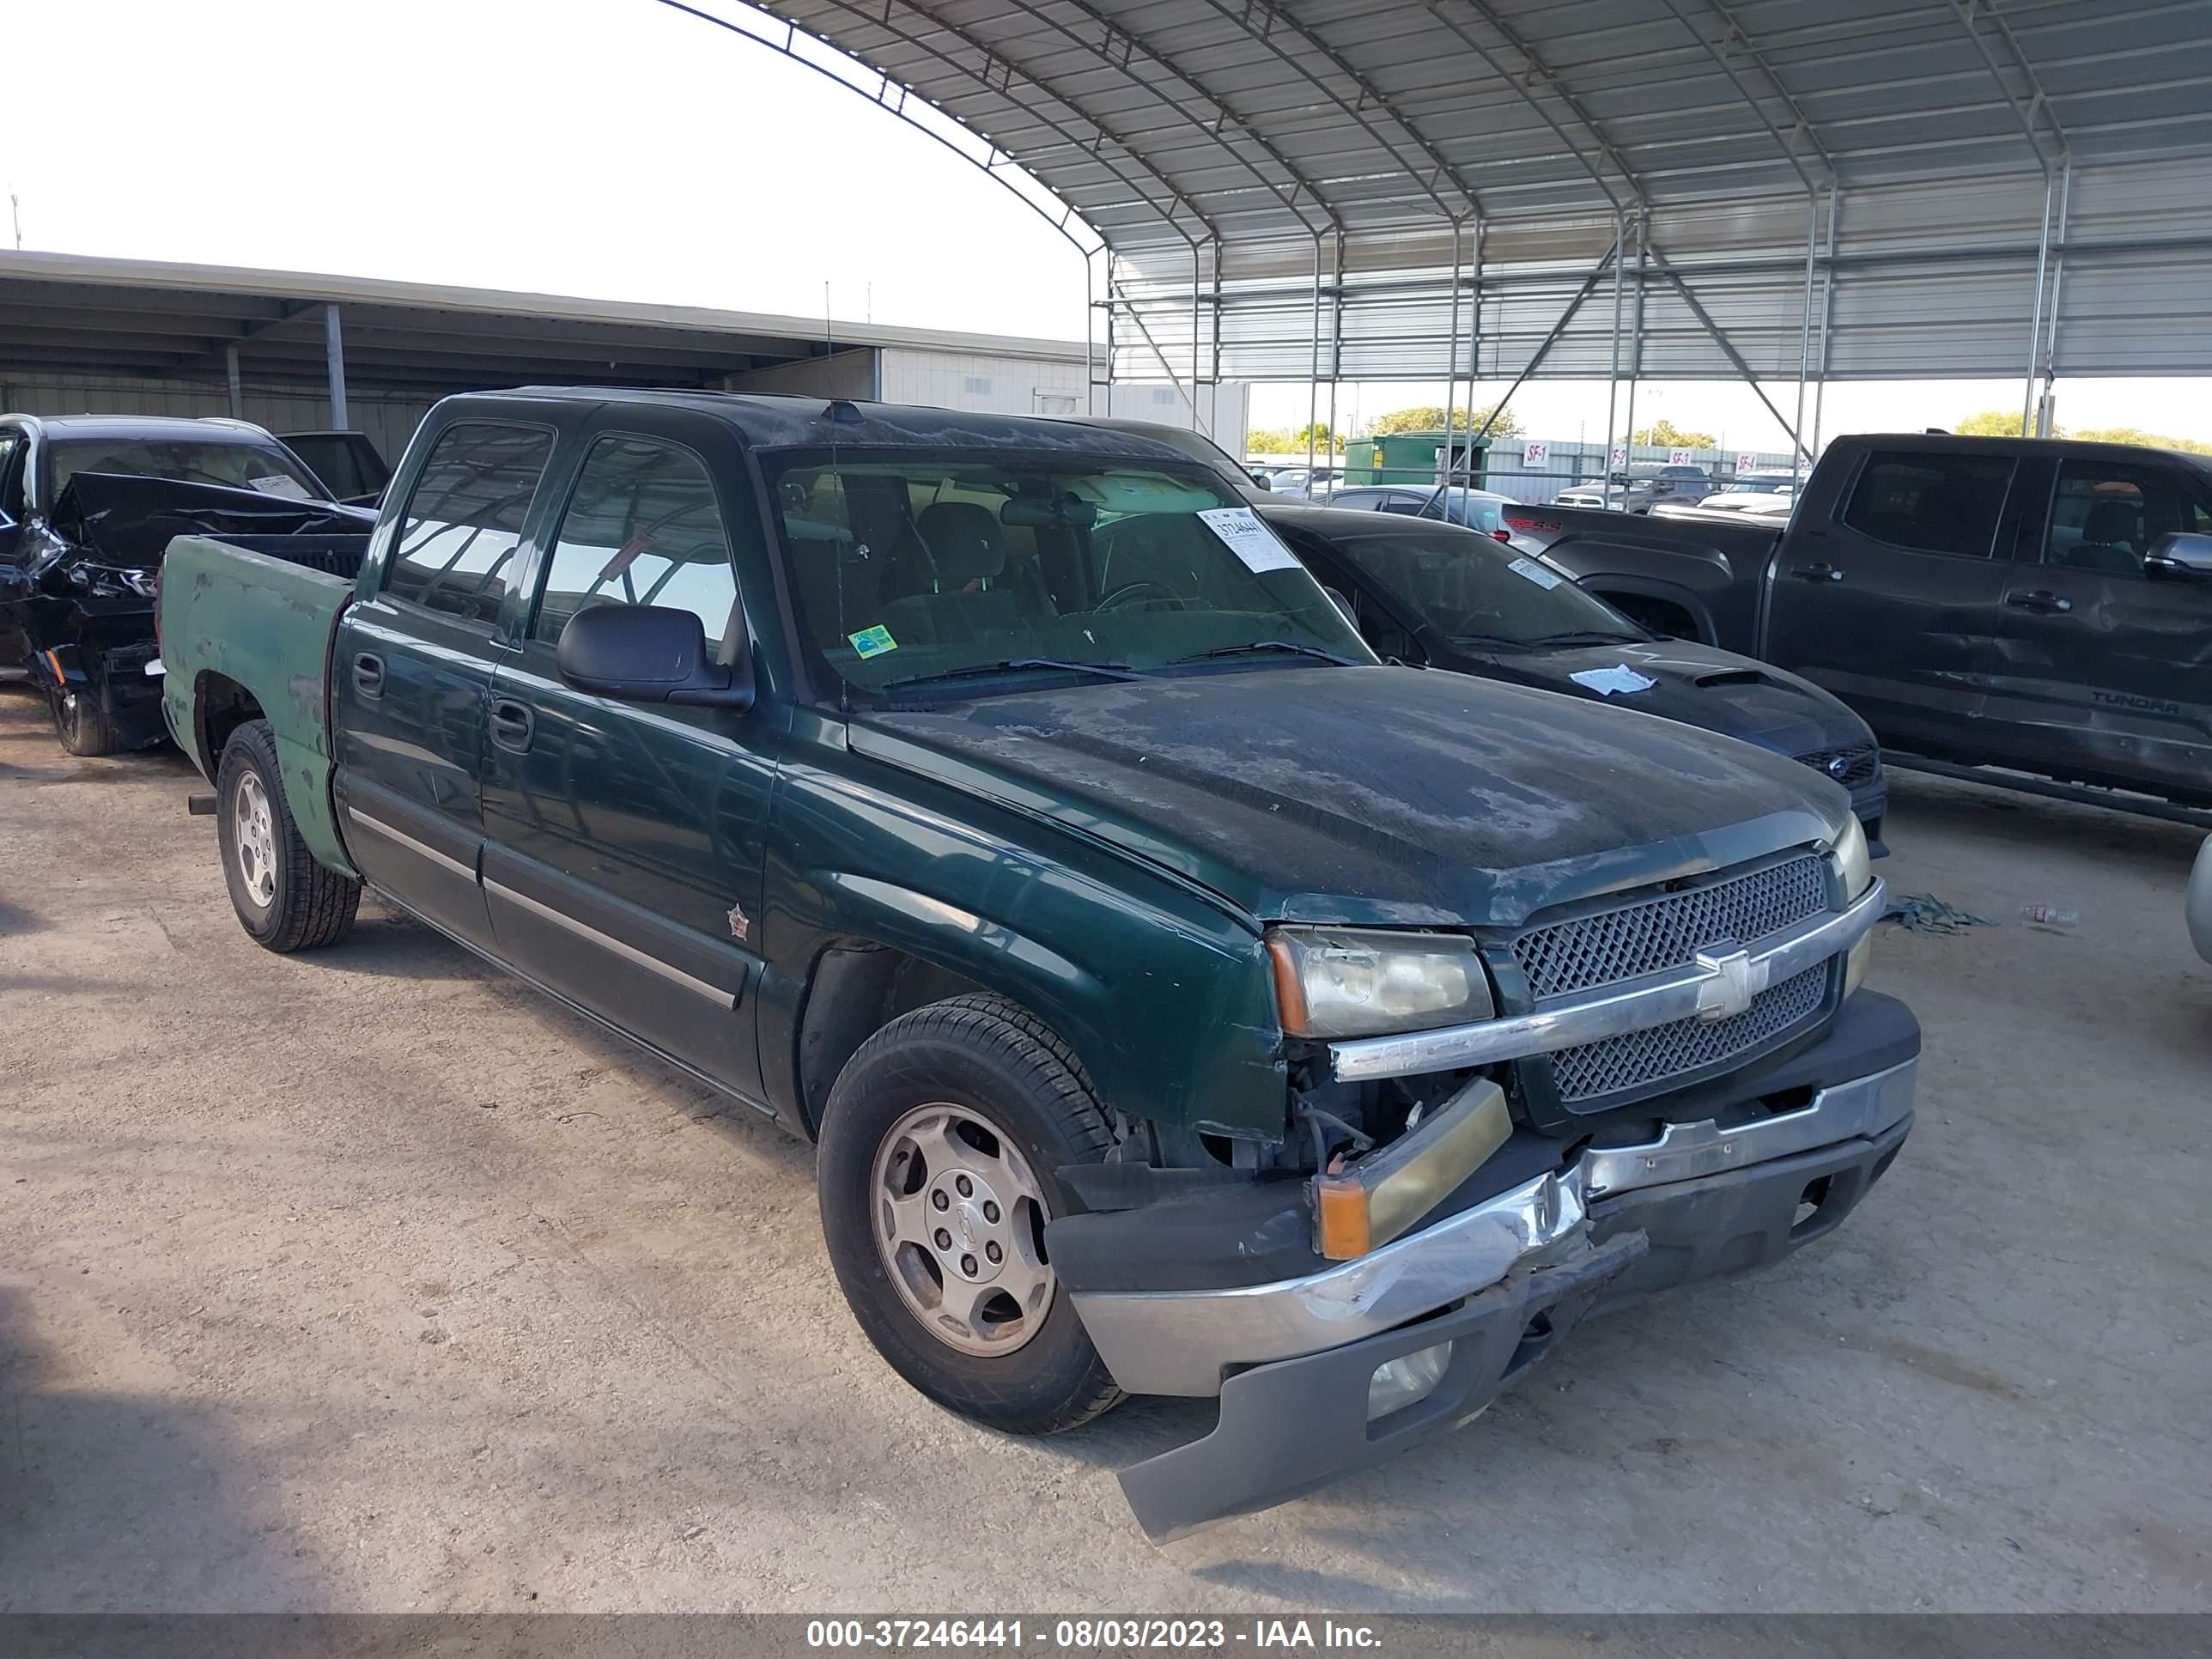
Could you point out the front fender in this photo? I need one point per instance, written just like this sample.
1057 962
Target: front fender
1166 997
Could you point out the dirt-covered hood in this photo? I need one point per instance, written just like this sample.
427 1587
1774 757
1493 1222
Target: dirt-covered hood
1371 795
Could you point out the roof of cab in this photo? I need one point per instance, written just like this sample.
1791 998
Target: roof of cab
209 428
766 421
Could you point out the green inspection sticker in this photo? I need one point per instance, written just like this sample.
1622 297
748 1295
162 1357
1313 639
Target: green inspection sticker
874 641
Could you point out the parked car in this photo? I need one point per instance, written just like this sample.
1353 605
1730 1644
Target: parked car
2199 907
1754 491
1183 1001
348 464
86 504
1434 595
1305 483
1639 489
2038 604
1482 510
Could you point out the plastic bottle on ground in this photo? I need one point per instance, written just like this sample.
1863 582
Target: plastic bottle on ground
2050 915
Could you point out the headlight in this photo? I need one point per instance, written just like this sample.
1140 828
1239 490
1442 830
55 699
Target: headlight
109 581
1349 981
1856 866
1853 859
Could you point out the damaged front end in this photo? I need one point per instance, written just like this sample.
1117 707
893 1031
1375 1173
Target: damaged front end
85 611
1492 1135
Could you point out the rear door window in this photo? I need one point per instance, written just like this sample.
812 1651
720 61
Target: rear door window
463 521
1930 500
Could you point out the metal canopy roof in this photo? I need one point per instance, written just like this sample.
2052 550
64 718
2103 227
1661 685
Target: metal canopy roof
1166 121
1408 189
74 314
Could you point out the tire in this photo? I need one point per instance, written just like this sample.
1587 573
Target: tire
285 900
983 1062
80 722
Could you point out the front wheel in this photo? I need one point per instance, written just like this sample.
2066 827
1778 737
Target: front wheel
941 1145
284 899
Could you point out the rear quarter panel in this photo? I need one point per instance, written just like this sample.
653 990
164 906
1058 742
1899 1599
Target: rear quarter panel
264 625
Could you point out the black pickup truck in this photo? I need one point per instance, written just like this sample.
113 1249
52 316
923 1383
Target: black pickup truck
2036 605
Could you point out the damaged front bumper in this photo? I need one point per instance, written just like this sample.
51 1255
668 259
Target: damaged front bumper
1336 1370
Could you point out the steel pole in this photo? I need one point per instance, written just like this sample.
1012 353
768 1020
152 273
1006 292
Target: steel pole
1613 373
1451 348
1313 369
1804 338
237 391
334 365
2035 321
1827 321
2057 282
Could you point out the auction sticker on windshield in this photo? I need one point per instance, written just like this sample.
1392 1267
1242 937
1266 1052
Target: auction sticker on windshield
1240 531
874 641
1529 570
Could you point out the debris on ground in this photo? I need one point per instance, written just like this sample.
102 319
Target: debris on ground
1924 913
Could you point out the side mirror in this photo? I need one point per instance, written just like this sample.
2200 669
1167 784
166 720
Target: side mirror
1343 604
650 653
1262 481
2180 555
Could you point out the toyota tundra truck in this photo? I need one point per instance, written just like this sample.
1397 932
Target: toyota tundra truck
1181 1001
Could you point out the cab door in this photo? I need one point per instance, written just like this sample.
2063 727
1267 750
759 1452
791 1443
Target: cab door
1893 602
14 553
2104 666
412 667
624 864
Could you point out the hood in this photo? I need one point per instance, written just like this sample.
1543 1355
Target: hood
130 519
1696 684
1370 795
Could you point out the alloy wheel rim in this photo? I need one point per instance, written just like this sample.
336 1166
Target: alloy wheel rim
253 833
958 1217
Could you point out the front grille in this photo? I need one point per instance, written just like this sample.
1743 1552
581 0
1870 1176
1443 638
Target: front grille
1641 1059
1859 764
1668 931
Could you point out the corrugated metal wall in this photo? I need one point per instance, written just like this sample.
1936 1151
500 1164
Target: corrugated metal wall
388 420
1031 386
1930 279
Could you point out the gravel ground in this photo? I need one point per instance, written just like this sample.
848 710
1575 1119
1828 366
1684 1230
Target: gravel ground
371 1280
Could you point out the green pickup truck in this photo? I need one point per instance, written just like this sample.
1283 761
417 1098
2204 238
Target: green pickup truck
1183 1001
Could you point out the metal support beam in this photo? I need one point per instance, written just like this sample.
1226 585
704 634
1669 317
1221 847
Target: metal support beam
231 377
334 365
1727 349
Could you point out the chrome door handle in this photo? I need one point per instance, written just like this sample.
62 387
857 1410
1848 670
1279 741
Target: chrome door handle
368 675
1817 572
2042 599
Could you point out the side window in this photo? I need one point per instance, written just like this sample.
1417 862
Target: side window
12 508
2106 515
1405 506
457 542
1931 502
642 528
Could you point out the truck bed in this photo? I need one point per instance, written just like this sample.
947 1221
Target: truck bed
246 627
1691 578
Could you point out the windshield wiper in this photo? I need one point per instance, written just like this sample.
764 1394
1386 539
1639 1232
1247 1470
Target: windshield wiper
1104 670
1500 642
1290 645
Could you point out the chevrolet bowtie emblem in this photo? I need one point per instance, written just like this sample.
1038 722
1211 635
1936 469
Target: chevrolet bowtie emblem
1735 980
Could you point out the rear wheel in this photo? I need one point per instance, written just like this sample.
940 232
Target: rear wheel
941 1145
284 899
80 720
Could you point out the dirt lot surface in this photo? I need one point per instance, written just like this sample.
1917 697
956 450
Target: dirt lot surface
371 1280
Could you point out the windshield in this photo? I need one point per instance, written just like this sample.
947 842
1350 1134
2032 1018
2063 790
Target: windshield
935 568
240 462
1758 483
1468 587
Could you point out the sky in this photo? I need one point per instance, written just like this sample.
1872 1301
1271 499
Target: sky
620 149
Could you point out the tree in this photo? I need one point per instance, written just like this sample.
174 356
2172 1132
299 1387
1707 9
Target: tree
1430 417
1663 434
1320 437
2129 435
1989 423
1269 441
